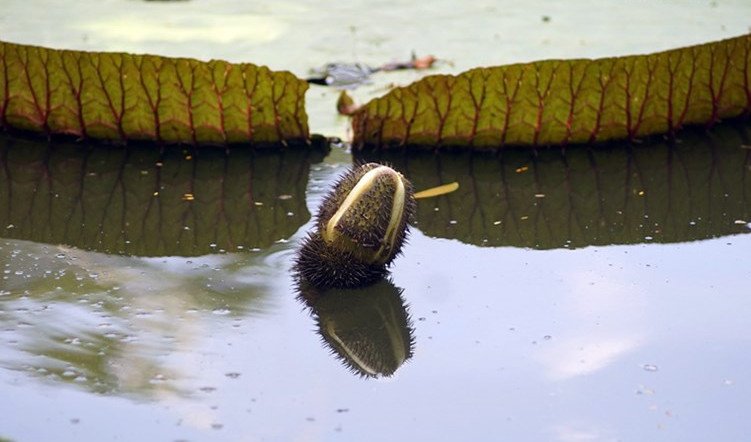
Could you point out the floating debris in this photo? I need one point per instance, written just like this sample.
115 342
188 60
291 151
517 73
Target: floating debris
352 75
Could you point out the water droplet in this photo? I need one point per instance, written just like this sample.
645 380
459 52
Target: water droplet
158 379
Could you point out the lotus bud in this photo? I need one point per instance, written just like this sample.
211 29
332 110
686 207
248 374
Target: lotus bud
360 228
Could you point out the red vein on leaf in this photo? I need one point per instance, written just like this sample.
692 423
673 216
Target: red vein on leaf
95 61
604 81
541 97
152 102
575 92
219 102
187 93
34 101
672 69
75 90
716 95
6 94
477 103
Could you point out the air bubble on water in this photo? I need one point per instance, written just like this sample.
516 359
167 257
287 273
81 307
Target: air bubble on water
649 367
60 255
158 379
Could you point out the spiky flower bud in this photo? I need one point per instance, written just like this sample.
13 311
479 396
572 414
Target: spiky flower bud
361 227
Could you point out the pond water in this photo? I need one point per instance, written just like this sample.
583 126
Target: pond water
591 295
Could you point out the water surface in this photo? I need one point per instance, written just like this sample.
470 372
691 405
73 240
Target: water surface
596 295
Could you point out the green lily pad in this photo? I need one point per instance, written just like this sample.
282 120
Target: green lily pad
122 97
560 102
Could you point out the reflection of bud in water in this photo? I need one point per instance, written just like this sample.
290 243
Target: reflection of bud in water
360 228
367 328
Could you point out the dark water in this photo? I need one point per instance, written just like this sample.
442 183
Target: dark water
554 296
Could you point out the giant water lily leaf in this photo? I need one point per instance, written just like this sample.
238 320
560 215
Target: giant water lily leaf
118 96
661 192
559 102
136 201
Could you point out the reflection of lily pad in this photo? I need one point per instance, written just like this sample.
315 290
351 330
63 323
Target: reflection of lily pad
665 192
140 202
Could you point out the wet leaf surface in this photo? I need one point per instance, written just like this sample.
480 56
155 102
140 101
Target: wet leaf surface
119 96
560 102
